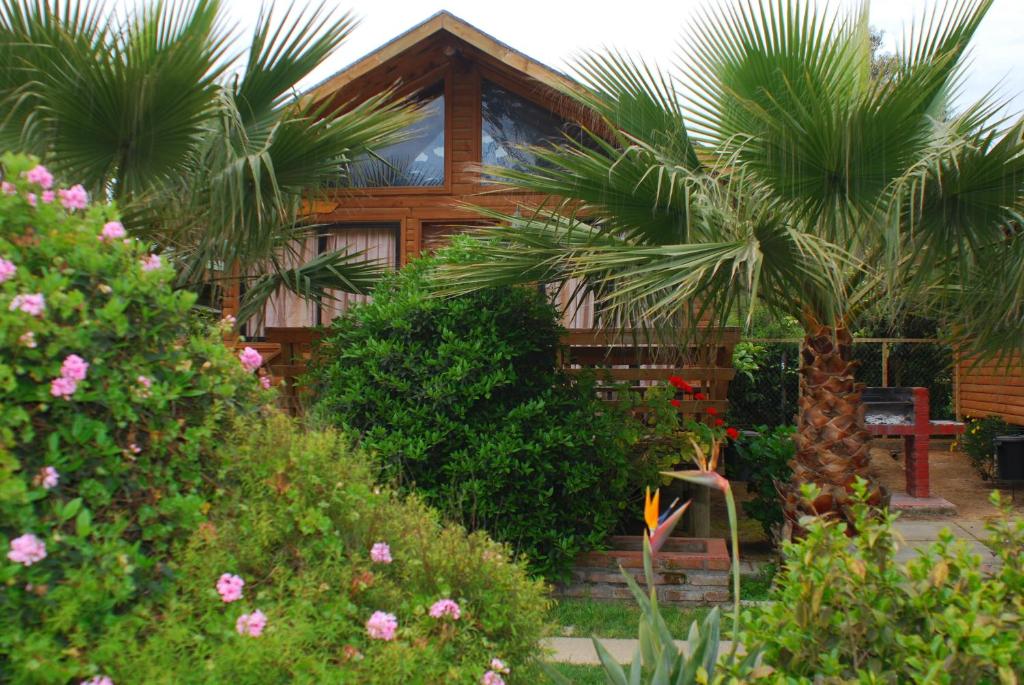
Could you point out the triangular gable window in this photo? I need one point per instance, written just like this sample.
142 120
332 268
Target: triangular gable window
417 161
510 121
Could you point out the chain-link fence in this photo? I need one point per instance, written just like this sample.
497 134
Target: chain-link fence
766 389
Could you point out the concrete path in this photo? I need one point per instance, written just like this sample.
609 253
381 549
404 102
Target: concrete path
580 650
920 534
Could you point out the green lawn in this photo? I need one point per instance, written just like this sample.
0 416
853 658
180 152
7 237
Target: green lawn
590 618
617 619
582 675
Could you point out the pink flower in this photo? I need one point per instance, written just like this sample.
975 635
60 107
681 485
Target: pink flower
74 197
251 359
28 339
41 176
63 387
49 477
27 549
47 196
112 230
251 624
265 382
499 666
7 270
230 587
492 678
145 381
445 607
32 304
74 368
380 553
31 198
151 263
133 448
382 626
8 188
98 680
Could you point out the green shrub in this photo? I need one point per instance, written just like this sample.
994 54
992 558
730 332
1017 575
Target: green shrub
846 611
462 401
129 456
297 524
766 458
977 442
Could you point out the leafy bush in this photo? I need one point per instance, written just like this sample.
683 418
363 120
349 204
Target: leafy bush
766 458
977 442
298 523
846 611
112 399
765 389
461 399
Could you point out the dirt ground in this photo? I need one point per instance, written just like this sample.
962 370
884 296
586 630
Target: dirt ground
951 477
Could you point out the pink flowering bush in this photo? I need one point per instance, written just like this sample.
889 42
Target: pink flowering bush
229 587
301 521
100 472
445 607
380 553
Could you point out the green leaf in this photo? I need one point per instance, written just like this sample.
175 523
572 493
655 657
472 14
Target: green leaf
83 523
70 509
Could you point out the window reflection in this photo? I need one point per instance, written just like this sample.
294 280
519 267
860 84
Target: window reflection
511 121
416 161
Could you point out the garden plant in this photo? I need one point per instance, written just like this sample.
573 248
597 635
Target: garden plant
462 401
113 400
308 571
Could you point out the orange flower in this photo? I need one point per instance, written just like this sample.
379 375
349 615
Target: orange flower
651 509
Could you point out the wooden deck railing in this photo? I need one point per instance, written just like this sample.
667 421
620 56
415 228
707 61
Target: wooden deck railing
613 356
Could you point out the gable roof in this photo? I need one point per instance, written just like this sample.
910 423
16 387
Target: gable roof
448 22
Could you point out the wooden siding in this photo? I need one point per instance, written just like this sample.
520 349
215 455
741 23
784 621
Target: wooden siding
991 389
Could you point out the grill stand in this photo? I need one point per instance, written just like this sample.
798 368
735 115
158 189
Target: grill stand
916 441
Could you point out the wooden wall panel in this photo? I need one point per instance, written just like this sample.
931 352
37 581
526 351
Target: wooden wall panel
991 389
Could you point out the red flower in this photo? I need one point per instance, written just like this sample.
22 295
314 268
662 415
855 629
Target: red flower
732 433
680 384
676 403
712 411
719 422
699 396
675 380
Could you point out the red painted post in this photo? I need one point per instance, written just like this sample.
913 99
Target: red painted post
917 446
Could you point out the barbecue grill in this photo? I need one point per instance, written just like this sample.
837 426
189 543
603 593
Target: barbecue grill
905 411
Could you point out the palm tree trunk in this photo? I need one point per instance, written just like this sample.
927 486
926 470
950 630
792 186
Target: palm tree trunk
832 443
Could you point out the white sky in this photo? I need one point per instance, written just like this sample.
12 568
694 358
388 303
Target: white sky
551 31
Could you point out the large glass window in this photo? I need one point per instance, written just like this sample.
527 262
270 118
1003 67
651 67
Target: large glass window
510 121
416 161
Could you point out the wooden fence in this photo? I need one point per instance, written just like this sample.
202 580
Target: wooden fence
613 355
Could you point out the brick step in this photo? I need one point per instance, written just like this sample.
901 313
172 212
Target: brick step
603 575
676 595
677 554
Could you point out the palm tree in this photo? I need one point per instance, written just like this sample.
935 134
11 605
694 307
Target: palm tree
210 154
771 170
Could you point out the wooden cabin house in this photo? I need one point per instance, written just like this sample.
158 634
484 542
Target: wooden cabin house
481 100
